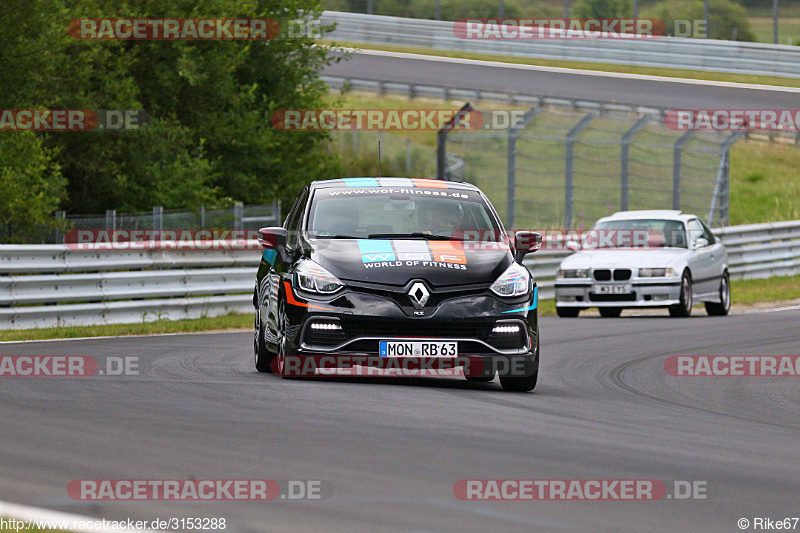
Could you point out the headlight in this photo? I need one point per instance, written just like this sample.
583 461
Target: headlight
656 273
515 281
573 273
311 277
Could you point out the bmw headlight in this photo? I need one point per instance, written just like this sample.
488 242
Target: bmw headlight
572 273
515 281
657 273
311 277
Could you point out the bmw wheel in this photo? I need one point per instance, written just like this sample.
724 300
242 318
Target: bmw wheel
724 306
684 309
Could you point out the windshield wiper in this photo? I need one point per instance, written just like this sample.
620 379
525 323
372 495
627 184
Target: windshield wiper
414 235
336 237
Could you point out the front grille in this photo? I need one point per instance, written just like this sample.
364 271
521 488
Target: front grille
602 274
435 298
622 274
613 297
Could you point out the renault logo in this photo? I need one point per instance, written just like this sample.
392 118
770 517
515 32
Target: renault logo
418 295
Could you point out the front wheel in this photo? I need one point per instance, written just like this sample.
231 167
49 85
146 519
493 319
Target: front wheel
263 358
684 308
724 306
525 382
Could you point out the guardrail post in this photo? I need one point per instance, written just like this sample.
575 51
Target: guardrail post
569 183
111 220
625 161
511 190
676 167
158 218
238 214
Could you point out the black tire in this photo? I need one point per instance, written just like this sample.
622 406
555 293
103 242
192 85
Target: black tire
263 357
683 309
610 312
279 363
724 307
567 312
522 383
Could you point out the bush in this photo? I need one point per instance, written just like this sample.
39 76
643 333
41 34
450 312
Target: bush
724 16
598 9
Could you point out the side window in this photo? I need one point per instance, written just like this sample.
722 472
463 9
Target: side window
295 219
695 230
708 234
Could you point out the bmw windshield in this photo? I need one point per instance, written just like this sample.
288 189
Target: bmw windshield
411 213
650 233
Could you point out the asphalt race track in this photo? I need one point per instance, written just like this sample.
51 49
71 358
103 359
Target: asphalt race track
393 448
604 87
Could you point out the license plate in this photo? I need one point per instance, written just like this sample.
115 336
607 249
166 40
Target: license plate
418 349
612 289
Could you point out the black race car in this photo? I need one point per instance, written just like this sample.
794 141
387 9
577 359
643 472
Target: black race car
369 270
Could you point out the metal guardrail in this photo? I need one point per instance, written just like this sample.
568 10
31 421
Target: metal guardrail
666 52
47 286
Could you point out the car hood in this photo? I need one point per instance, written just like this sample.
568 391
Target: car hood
398 261
610 258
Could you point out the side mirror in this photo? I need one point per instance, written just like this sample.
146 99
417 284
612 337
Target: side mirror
573 246
273 239
701 242
524 242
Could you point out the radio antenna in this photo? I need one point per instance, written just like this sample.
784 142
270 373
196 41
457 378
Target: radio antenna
380 142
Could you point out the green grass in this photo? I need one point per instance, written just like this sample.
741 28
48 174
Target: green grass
788 28
586 65
149 328
765 182
750 291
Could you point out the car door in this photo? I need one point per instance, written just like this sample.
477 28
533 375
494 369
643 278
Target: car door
700 262
719 258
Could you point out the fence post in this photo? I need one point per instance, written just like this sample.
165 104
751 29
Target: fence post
202 217
238 213
625 161
676 168
408 158
441 141
158 216
511 189
570 166
111 220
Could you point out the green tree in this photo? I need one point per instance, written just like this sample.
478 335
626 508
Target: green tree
598 9
725 17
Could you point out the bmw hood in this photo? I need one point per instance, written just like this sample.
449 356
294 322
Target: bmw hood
398 261
610 258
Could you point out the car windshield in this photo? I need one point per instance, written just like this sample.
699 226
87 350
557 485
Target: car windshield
640 233
413 214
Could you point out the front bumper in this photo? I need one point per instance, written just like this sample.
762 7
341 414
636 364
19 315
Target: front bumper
661 292
365 316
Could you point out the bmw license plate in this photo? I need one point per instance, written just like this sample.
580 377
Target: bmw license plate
418 349
624 288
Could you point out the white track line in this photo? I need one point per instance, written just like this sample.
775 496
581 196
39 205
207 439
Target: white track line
132 336
581 72
25 513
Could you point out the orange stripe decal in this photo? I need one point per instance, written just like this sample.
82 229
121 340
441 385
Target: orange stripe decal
291 300
431 184
448 252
